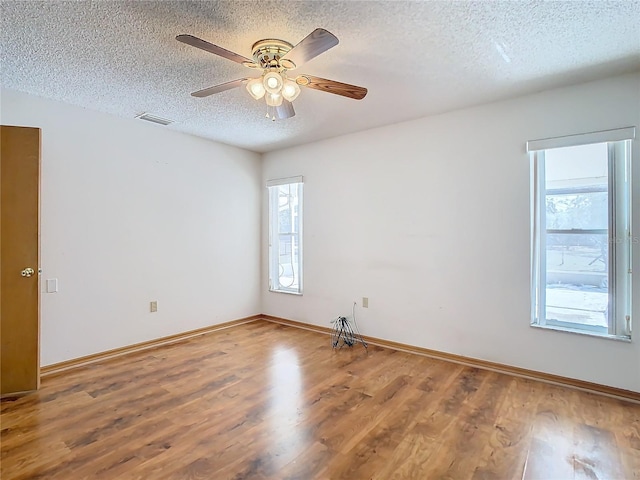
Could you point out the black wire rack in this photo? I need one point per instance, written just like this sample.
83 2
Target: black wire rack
343 334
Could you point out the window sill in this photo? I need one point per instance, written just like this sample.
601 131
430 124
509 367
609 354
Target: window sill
287 292
582 332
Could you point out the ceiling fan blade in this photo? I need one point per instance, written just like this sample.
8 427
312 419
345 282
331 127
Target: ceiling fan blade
331 86
317 42
215 49
285 110
219 88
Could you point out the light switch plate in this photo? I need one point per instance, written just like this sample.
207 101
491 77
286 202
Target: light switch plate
52 285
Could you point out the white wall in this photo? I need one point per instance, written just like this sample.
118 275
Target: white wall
133 212
430 220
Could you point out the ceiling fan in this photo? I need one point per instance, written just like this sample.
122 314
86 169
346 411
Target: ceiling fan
276 58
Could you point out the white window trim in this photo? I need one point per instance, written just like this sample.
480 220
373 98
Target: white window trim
284 181
605 136
273 260
619 145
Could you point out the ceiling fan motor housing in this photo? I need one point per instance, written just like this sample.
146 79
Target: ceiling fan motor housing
269 52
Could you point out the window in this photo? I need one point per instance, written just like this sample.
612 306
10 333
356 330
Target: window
285 235
581 245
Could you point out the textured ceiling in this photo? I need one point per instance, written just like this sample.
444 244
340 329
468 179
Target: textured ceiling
416 58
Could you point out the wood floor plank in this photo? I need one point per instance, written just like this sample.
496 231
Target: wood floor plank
266 401
505 452
596 453
311 463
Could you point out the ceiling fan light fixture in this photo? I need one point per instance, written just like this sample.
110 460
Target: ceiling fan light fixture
256 88
274 99
290 90
273 82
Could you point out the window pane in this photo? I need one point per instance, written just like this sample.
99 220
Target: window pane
577 289
581 248
288 262
285 250
587 210
284 208
577 265
288 208
572 167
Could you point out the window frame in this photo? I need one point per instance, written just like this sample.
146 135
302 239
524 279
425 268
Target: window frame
619 159
275 234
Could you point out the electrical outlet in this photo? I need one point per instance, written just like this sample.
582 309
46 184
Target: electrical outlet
365 302
153 306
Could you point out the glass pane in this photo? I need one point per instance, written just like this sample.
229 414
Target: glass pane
577 289
573 167
284 208
577 265
586 210
288 208
288 262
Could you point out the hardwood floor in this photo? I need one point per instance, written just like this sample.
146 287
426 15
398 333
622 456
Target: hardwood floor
266 401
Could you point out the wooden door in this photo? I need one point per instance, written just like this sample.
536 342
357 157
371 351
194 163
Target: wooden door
19 259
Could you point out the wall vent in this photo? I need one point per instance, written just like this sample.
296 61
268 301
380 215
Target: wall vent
154 119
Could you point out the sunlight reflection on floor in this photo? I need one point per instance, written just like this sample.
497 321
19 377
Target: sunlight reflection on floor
286 405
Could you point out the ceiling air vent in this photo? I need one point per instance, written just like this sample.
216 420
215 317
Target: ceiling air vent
154 119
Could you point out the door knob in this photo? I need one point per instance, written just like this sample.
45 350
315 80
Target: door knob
27 272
